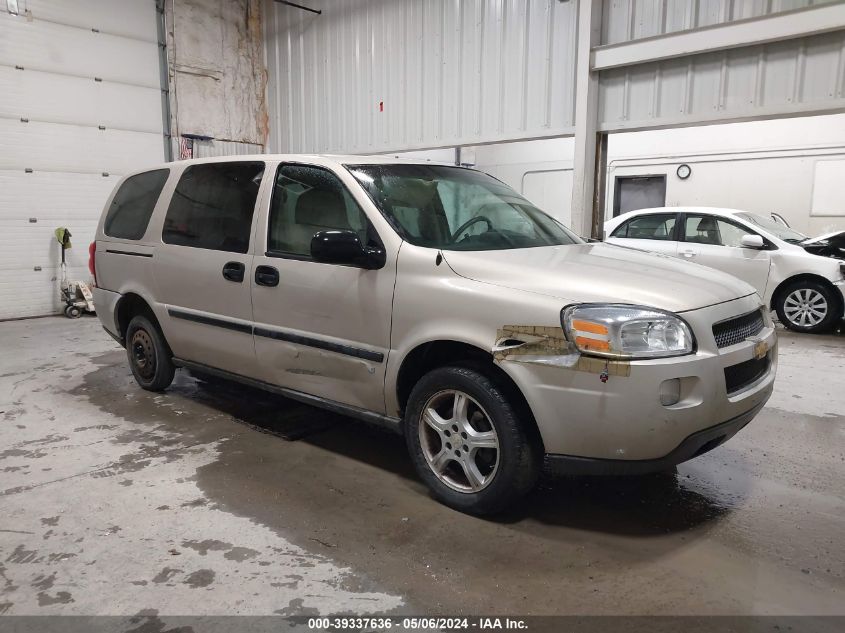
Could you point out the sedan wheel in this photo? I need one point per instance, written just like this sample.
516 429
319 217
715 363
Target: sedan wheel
458 441
805 307
808 306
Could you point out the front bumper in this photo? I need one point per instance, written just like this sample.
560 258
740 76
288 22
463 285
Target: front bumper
579 416
696 444
840 286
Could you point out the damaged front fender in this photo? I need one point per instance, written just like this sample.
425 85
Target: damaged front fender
547 345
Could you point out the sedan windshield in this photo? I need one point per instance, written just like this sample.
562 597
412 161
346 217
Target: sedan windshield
775 228
453 208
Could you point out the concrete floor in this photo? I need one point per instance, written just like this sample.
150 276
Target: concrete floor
218 499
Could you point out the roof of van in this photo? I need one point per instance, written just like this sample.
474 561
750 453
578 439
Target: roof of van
321 159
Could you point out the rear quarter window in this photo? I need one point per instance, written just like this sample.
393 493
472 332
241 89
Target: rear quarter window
130 209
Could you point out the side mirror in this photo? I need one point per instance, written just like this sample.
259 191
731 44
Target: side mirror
345 248
752 241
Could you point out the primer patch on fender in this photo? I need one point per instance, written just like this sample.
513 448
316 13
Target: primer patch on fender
598 365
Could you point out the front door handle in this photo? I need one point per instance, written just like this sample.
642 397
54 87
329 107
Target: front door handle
234 271
266 276
688 253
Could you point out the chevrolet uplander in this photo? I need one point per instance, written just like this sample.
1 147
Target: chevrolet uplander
434 300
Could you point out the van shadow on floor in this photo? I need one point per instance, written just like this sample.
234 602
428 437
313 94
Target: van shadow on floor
636 506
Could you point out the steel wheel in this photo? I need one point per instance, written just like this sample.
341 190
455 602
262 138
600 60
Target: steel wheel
143 354
805 307
458 441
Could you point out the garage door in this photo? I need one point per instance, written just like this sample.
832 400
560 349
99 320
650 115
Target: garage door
80 104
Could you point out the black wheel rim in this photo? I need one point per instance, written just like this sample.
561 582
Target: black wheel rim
143 354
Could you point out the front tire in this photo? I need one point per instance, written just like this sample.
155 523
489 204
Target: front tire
468 443
808 306
149 355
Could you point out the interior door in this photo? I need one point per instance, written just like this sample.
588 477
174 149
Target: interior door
655 232
204 265
322 329
716 242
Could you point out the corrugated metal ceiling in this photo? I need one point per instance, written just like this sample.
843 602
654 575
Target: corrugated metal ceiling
785 78
627 20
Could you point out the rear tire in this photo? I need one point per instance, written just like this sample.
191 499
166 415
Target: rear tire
149 355
468 443
808 306
72 312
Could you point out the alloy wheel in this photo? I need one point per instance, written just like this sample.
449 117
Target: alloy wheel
805 307
458 441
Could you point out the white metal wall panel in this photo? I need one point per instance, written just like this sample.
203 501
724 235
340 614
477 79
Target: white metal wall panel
30 255
801 76
51 113
628 20
37 96
366 76
74 148
828 177
129 18
47 201
40 45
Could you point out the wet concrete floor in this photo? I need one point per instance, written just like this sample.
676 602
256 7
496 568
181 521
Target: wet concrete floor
214 498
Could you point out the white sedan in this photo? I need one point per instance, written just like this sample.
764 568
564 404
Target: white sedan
806 290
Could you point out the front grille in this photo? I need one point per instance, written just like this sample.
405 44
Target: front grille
738 329
739 376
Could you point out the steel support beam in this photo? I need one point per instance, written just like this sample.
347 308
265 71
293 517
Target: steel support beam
587 139
164 78
775 28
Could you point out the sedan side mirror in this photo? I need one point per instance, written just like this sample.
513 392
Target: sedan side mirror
345 248
752 241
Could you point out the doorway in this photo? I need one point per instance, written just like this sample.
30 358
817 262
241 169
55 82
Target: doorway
638 192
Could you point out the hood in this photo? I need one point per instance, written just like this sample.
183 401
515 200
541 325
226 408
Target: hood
601 273
827 245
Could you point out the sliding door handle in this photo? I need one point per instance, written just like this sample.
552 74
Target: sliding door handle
266 276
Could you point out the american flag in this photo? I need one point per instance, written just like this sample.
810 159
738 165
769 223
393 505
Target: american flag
186 148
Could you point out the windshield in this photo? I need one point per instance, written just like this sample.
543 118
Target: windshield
453 208
775 228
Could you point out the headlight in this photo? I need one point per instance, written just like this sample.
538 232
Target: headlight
625 331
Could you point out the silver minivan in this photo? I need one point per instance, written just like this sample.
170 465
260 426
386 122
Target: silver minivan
434 300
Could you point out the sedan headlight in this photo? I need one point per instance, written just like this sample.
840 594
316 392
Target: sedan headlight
626 331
